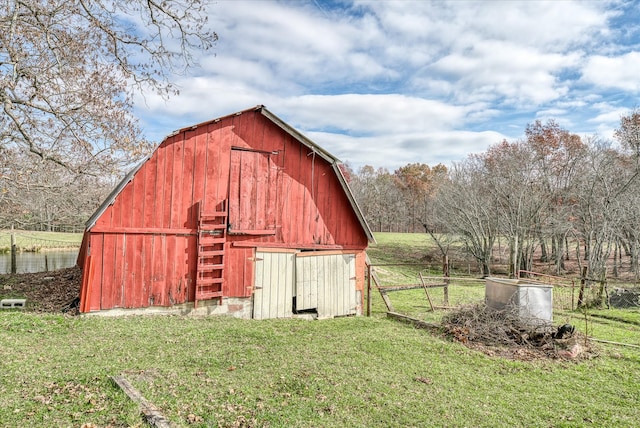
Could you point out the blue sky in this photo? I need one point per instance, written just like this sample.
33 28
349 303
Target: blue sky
386 83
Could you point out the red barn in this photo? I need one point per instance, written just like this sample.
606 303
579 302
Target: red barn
240 215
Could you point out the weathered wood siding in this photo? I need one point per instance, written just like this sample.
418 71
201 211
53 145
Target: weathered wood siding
143 245
327 283
274 284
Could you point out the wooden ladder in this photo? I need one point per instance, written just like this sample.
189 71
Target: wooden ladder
212 235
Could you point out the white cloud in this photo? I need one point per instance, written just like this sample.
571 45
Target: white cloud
619 72
371 114
392 82
395 150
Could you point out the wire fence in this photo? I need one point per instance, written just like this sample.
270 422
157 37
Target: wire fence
26 241
431 297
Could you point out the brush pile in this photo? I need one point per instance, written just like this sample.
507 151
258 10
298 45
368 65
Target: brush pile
504 333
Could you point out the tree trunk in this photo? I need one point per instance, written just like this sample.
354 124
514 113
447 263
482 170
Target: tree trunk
544 257
615 259
559 255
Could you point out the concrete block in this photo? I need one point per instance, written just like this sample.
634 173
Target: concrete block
12 303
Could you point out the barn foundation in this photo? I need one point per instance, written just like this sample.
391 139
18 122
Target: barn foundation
237 307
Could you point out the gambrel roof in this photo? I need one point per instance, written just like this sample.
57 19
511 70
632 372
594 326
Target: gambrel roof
315 148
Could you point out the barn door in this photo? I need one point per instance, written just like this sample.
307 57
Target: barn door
252 193
274 276
327 282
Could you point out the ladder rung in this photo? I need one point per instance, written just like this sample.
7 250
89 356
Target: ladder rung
210 268
208 281
210 241
212 215
208 294
212 227
210 253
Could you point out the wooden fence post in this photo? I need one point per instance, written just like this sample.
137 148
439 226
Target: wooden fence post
445 270
14 261
583 281
368 290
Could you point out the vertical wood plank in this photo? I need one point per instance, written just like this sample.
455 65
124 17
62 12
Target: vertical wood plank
276 298
107 264
324 287
136 271
168 185
261 287
171 279
145 271
182 270
212 158
187 209
199 173
95 294
137 198
247 187
129 291
159 289
260 192
117 290
258 140
150 191
127 202
234 191
161 186
176 181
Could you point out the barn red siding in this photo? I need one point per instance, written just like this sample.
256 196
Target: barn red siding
143 245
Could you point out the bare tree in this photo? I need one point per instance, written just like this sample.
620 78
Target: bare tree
38 195
68 69
417 183
464 208
558 155
629 132
380 198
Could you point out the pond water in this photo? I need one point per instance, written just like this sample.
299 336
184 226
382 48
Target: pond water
39 262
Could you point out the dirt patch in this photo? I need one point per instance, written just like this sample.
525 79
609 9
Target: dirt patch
504 334
57 291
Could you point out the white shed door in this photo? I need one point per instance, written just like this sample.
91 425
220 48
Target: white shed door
326 282
274 286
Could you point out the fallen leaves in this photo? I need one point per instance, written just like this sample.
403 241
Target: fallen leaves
424 380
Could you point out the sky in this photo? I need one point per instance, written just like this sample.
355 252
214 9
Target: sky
387 83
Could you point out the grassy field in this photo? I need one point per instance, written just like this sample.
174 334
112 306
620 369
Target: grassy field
343 372
364 372
27 240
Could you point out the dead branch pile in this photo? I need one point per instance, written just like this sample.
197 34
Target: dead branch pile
505 333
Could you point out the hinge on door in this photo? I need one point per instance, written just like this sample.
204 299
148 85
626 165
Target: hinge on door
255 259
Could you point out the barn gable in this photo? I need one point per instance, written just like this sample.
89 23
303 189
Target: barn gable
186 224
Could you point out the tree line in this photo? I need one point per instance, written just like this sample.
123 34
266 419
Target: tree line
551 194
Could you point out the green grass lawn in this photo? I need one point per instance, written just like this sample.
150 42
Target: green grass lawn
343 372
363 372
28 240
